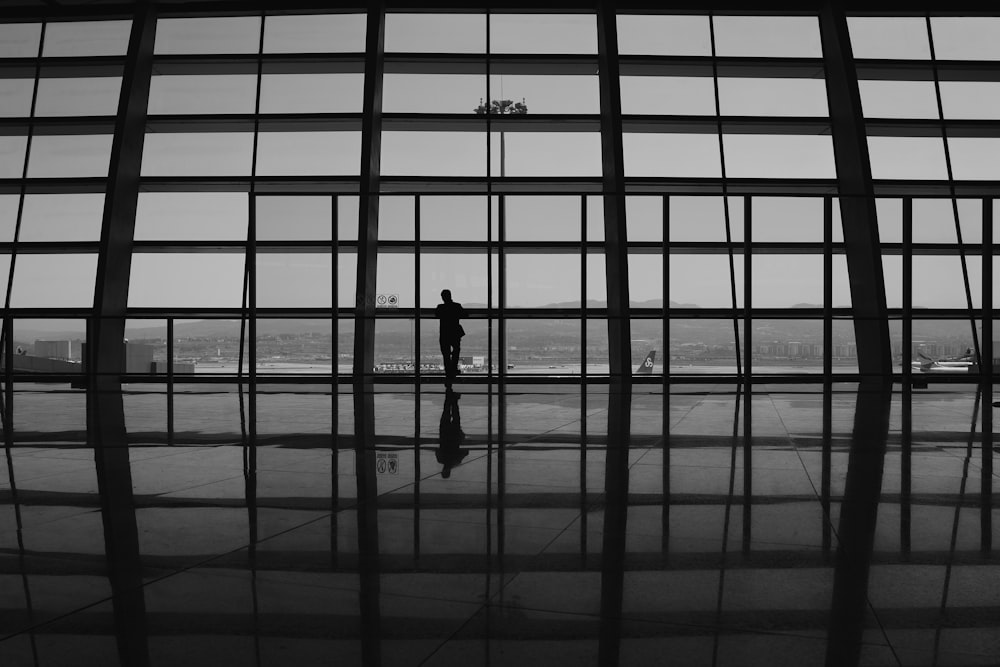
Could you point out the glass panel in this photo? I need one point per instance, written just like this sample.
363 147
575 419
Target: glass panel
671 155
54 281
787 219
941 340
83 96
892 271
841 287
934 220
548 346
768 36
668 95
200 154
19 40
311 93
703 281
435 33
396 218
86 38
898 99
702 346
645 280
194 216
203 94
294 280
394 345
779 156
62 217
15 97
647 349
704 219
542 218
453 93
973 100
46 345
644 218
541 154
294 218
396 271
772 97
895 37
907 158
661 35
347 278
787 346
433 154
465 274
12 156
938 281
186 280
229 34
322 33
890 220
453 218
308 153
8 216
597 280
543 33
347 218
974 158
68 156
549 94
966 37
771 287
537 280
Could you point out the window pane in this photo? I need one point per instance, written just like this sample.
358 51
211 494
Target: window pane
784 219
202 94
541 154
62 217
308 153
191 216
86 38
771 287
551 93
396 218
12 156
294 218
966 37
433 154
66 156
975 158
395 277
787 346
971 99
671 155
543 218
19 40
230 34
535 280
644 217
84 96
645 281
453 93
311 93
463 273
894 37
668 95
907 158
54 281
15 97
453 218
660 35
779 156
704 280
543 33
294 280
938 281
435 33
772 97
200 154
186 280
934 220
323 33
561 353
898 99
768 36
597 280
8 216
704 219
347 279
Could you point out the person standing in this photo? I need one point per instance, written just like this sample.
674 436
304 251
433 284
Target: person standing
450 335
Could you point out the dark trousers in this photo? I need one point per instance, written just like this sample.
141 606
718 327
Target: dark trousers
450 349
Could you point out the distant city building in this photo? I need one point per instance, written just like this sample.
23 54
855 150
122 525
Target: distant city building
54 349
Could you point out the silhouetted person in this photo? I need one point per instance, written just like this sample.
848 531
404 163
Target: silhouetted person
450 453
449 313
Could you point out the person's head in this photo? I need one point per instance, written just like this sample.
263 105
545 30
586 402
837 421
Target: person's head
446 295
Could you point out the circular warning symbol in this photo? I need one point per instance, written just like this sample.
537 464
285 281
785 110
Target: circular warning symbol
393 299
380 299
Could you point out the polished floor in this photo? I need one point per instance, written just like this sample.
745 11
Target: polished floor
528 524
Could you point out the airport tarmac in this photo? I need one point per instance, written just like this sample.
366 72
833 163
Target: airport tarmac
796 527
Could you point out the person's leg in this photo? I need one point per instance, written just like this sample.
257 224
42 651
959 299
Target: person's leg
456 351
446 356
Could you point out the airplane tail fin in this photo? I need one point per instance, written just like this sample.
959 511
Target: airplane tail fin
646 367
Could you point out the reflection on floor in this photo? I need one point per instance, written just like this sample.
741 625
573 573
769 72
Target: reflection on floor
544 525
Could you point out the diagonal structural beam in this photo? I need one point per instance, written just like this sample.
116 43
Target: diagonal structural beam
857 195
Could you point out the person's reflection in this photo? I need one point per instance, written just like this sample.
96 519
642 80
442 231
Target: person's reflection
450 453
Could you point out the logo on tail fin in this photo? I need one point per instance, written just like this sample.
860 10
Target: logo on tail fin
646 367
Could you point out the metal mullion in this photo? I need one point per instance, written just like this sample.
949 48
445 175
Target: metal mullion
906 418
747 374
665 380
987 378
583 377
170 381
334 379
416 378
826 455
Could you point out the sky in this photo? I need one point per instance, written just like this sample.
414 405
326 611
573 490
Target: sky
305 279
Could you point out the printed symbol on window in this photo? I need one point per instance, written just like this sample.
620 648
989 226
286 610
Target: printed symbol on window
386 463
381 299
393 300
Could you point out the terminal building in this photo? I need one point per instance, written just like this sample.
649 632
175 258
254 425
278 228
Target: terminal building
730 290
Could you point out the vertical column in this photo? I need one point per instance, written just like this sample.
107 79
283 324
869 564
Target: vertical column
106 350
987 378
857 195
